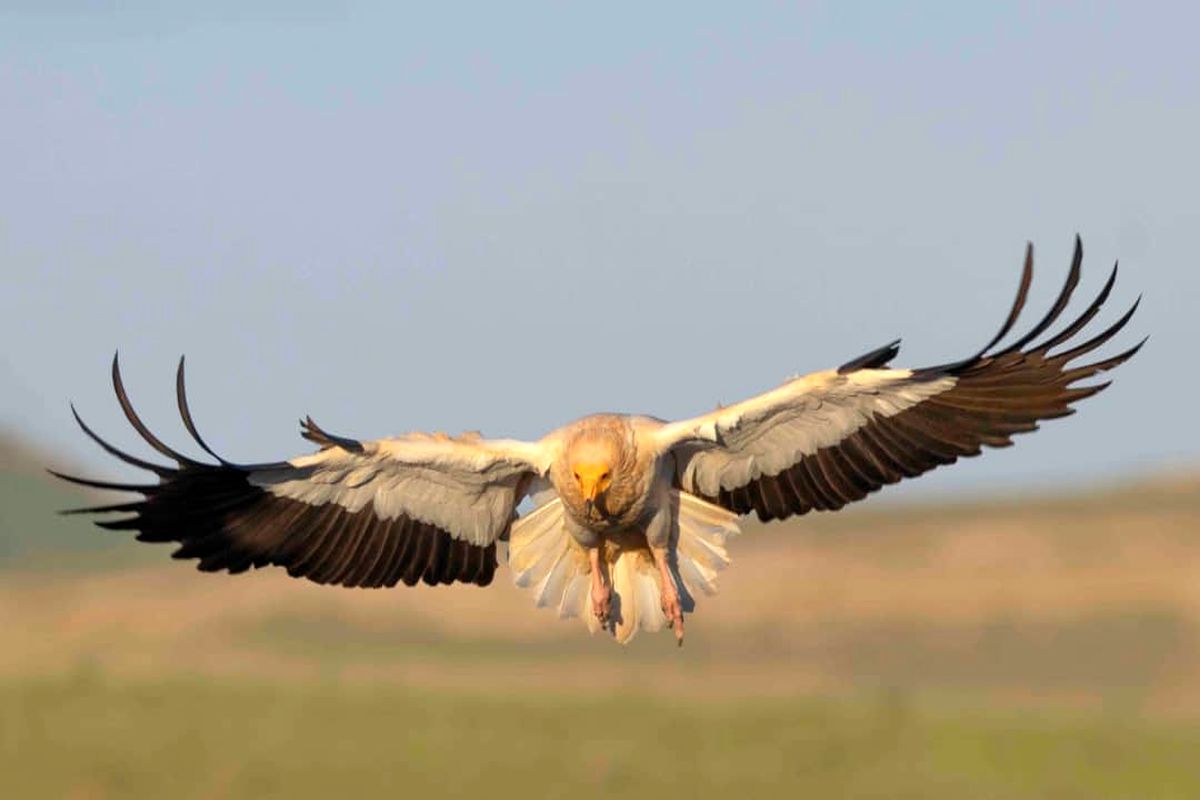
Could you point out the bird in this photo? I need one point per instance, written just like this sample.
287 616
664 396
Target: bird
629 517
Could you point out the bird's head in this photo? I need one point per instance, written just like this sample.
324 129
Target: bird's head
593 462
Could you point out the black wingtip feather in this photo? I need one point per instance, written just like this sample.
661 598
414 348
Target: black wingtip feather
1060 303
157 469
1114 361
1018 303
136 422
1102 337
1084 318
128 524
313 432
107 509
119 487
186 414
1013 314
875 359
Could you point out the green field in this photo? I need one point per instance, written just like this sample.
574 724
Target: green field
187 738
1013 648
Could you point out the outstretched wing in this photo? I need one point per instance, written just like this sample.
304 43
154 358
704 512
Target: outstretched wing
830 438
413 508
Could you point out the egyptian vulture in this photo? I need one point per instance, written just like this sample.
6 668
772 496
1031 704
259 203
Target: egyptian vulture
630 514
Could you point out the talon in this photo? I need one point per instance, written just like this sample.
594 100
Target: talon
601 601
601 594
673 610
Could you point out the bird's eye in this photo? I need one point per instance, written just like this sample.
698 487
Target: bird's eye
576 475
604 477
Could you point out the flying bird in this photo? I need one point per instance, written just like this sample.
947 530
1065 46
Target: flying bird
630 514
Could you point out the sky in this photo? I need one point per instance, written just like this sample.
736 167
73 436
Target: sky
501 217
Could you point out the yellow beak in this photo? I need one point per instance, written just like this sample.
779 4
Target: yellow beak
589 488
592 480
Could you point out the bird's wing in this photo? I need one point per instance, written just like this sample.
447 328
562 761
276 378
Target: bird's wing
416 507
829 438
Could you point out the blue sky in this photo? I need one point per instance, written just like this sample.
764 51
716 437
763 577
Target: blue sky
450 217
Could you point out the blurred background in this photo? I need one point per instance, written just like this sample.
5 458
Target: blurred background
452 217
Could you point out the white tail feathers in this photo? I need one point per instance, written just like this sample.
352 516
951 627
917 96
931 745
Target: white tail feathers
703 529
545 559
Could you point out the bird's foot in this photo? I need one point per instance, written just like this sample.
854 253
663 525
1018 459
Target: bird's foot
672 608
601 601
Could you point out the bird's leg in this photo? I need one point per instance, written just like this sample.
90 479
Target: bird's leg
670 595
601 594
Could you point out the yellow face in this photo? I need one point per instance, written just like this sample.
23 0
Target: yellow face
593 478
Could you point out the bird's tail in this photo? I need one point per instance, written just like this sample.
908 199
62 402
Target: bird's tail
547 561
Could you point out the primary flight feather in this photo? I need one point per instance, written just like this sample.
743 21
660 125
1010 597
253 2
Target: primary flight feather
632 513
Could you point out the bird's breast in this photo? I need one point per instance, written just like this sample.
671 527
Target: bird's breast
623 505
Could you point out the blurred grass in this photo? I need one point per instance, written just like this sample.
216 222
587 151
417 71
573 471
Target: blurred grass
1123 653
1036 646
86 736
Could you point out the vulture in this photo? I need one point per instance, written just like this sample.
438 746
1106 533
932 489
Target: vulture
629 515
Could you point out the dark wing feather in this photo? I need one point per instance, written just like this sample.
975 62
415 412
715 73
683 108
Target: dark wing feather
873 360
218 516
